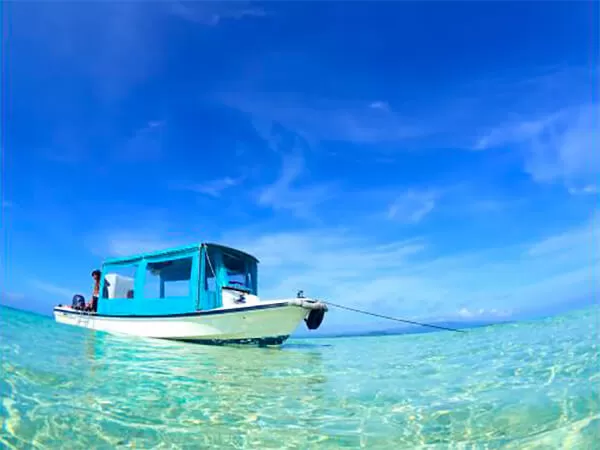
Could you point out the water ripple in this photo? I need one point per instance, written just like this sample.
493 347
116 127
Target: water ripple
525 386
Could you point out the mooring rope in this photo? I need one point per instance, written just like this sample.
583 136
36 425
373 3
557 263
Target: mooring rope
360 311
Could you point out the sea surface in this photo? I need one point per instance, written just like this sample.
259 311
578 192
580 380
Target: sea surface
527 385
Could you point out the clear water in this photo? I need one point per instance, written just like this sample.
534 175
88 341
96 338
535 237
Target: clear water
528 385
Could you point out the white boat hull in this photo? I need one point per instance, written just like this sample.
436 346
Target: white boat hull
269 323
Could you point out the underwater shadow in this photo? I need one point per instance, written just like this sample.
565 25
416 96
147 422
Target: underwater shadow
304 346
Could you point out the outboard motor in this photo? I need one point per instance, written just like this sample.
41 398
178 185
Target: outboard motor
78 302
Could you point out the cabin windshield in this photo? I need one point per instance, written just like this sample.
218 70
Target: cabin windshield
238 273
235 270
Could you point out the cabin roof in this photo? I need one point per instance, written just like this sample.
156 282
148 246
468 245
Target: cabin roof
231 249
174 251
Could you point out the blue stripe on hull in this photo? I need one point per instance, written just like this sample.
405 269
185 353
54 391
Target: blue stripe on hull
261 342
188 314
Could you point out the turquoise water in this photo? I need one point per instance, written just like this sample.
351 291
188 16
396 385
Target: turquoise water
528 385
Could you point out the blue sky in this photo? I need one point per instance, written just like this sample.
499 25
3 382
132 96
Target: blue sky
428 160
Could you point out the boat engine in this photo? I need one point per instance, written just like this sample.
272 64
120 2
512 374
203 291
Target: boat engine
78 302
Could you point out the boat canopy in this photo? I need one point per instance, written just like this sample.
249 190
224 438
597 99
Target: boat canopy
176 280
176 250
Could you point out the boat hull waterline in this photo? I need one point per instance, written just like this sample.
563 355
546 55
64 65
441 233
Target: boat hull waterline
268 323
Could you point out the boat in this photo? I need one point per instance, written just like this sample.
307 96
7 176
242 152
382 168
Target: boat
203 293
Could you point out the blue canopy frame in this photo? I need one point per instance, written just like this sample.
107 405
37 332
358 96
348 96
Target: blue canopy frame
207 268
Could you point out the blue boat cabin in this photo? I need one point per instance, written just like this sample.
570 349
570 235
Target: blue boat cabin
175 281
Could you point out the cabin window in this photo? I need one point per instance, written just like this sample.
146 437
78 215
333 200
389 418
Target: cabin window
119 282
237 271
168 279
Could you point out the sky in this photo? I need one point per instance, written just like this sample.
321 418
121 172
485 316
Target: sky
432 160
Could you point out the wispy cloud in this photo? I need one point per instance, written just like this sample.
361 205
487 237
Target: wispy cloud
289 194
213 188
524 130
214 13
404 278
412 206
380 105
559 244
135 230
585 190
127 242
145 143
482 313
155 124
12 297
320 121
113 45
558 147
52 289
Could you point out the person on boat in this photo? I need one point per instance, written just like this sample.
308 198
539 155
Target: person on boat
93 306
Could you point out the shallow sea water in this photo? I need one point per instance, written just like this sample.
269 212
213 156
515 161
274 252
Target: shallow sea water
527 385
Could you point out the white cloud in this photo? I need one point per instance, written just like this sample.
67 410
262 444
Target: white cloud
580 237
585 190
14 297
568 149
401 278
153 235
113 45
213 188
559 147
288 193
447 121
52 289
156 123
380 105
482 313
515 132
126 243
213 13
145 143
333 265
412 206
320 120
140 230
